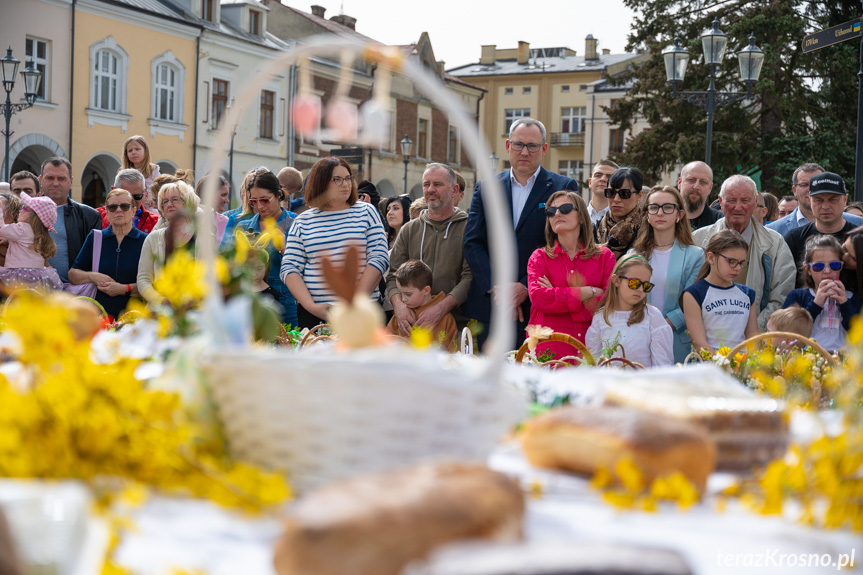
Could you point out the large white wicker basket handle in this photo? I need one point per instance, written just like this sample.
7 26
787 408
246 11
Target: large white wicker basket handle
501 240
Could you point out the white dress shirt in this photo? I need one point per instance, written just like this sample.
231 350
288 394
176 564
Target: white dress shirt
520 193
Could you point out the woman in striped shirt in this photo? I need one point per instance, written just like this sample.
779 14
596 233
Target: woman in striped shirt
334 221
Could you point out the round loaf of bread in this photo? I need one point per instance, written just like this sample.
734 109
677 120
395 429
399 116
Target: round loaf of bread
586 439
377 524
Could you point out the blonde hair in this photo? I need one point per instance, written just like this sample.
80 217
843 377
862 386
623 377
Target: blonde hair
792 319
645 241
146 167
190 200
119 192
585 227
611 299
43 243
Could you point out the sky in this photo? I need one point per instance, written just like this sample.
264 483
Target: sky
458 28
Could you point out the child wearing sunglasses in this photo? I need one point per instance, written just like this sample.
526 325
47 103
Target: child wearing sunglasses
824 296
718 311
626 316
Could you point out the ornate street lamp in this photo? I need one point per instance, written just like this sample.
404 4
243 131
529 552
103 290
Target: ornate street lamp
714 43
32 78
406 144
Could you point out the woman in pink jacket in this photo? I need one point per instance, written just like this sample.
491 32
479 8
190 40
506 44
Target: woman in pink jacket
567 278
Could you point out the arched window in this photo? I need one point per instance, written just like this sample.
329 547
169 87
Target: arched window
168 82
109 72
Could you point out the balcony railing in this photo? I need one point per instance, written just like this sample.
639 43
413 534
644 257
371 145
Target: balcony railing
566 139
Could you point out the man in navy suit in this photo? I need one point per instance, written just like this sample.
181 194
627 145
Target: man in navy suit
802 214
527 186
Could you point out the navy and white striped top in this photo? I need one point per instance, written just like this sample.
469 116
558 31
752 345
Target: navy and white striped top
316 233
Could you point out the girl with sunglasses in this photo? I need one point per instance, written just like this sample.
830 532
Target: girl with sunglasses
666 242
119 252
619 227
824 296
626 317
566 278
720 312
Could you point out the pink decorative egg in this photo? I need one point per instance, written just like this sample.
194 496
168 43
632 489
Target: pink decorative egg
342 118
306 112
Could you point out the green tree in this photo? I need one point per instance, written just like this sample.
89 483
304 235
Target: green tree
804 105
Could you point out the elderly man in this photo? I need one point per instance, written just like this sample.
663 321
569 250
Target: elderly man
770 267
827 198
597 183
802 215
133 182
435 237
786 205
24 181
695 184
527 186
74 220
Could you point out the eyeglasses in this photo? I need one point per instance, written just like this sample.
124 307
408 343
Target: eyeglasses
25 209
733 262
634 283
654 209
174 200
519 146
339 180
113 207
819 266
624 193
803 185
262 201
564 209
137 197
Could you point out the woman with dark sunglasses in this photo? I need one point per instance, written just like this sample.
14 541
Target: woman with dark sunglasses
265 196
119 249
619 227
566 278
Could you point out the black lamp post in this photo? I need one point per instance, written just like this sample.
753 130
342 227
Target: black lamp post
406 144
714 42
32 77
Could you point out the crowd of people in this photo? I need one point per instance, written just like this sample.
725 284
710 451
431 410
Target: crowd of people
652 272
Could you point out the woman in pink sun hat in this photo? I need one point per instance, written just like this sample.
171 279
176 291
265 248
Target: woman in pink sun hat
30 246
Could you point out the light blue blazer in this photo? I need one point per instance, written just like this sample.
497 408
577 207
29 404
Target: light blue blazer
683 268
789 222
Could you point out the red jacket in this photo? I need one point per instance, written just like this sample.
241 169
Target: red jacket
146 222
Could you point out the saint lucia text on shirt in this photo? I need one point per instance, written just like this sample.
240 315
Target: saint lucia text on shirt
738 306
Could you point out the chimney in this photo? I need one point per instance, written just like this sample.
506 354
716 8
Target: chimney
488 56
440 66
318 10
606 51
590 48
345 20
523 52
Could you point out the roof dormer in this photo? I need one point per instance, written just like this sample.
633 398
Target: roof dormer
247 15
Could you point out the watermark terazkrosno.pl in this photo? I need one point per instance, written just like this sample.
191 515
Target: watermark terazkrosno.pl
776 558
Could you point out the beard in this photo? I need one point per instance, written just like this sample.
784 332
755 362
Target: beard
693 205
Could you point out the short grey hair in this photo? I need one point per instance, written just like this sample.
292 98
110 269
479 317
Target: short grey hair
449 171
128 175
737 179
528 122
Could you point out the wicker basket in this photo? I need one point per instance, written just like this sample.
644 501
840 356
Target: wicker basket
561 337
322 415
324 418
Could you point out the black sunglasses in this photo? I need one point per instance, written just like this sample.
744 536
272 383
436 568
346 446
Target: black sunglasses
113 207
624 193
137 197
564 209
635 283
